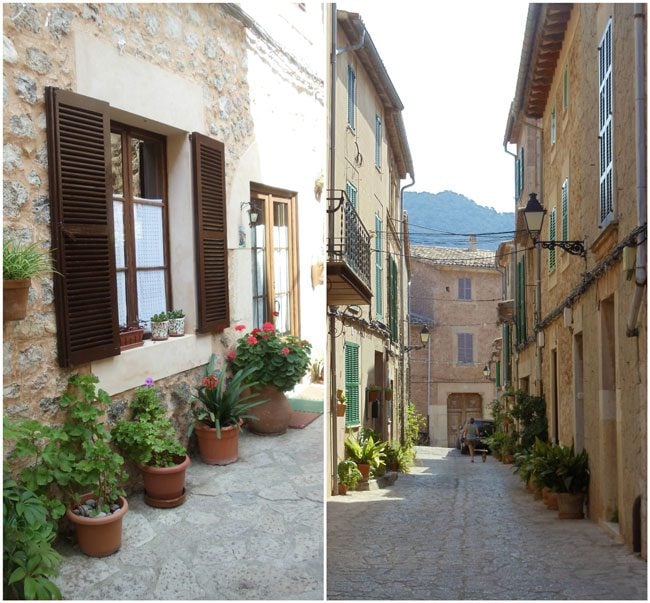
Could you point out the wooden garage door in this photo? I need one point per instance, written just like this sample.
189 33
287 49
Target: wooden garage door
459 408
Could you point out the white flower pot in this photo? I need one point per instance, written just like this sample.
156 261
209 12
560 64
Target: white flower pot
159 330
176 327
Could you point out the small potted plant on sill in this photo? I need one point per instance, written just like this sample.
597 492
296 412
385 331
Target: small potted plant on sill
220 407
160 326
176 323
349 475
131 336
279 363
20 264
150 441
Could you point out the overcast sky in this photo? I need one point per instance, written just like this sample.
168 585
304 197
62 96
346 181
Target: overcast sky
454 65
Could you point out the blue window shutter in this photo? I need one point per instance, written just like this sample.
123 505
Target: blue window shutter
351 191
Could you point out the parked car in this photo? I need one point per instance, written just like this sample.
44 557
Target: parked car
485 430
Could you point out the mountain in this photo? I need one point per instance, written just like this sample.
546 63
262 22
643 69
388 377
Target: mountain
432 217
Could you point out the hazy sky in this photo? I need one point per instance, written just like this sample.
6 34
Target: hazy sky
454 65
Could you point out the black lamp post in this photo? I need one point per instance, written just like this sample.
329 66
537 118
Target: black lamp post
534 217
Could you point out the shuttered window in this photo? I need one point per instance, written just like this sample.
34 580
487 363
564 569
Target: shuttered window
379 270
464 288
520 318
565 88
605 129
465 348
565 210
378 136
351 191
498 374
78 132
352 96
351 358
519 174
392 298
506 354
552 226
553 126
211 238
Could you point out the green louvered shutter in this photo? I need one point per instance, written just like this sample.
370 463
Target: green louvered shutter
392 297
565 210
552 223
498 374
506 353
523 300
351 352
379 271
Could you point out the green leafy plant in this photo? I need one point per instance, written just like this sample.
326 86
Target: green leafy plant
29 528
370 452
21 261
348 473
414 422
530 412
220 401
280 361
175 314
572 470
148 437
161 317
400 457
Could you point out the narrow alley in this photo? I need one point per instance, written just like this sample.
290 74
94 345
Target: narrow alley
455 530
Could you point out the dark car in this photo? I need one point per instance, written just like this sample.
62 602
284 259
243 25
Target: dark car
485 430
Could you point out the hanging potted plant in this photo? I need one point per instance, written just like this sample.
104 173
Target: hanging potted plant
149 440
176 323
388 393
220 407
278 363
349 475
341 405
20 264
374 393
160 326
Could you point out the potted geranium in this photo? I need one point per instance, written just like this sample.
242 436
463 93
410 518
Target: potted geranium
20 264
349 475
220 407
278 363
176 323
149 440
160 326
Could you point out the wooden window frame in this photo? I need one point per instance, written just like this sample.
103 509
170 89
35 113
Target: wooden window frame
462 340
129 200
266 196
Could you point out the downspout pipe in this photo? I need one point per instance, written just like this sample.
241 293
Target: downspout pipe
641 162
408 314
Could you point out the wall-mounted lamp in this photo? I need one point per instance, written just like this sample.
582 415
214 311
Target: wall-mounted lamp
424 339
534 217
253 211
486 372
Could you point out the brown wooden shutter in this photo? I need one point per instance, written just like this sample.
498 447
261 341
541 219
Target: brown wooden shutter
85 291
211 237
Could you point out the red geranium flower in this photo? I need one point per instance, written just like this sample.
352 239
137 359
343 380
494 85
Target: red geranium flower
268 326
285 351
232 355
252 340
256 331
240 328
210 382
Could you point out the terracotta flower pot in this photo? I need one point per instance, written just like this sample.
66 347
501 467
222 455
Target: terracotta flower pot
214 450
343 489
164 487
14 299
551 500
365 471
340 409
570 506
99 536
273 415
131 339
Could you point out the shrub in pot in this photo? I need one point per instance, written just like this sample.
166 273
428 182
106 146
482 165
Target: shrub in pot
279 363
159 326
573 482
367 455
220 406
349 475
149 440
20 264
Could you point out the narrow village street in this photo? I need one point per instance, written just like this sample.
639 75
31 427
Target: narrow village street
455 530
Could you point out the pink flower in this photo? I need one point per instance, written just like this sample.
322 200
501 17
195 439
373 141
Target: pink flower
240 328
148 382
256 331
268 326
210 382
285 351
252 340
232 355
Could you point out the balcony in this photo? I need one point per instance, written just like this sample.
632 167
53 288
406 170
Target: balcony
348 254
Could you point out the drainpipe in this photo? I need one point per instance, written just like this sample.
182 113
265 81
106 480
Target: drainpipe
334 52
641 182
408 313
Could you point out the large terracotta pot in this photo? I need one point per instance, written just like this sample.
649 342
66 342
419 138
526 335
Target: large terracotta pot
99 536
570 506
343 489
273 415
214 450
365 471
164 487
14 299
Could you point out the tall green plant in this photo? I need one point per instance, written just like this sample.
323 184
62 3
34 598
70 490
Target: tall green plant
530 411
370 452
414 421
21 261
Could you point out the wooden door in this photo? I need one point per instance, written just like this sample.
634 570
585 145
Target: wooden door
461 407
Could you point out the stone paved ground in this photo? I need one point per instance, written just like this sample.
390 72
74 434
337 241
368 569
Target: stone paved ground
456 530
250 530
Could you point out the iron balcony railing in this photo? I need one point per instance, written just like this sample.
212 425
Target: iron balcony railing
348 238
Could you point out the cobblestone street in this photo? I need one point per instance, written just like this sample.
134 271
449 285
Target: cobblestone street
456 530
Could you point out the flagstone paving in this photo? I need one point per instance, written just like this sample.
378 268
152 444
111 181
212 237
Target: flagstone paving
456 530
250 530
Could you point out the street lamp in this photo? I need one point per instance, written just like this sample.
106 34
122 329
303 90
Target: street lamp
424 339
486 372
534 217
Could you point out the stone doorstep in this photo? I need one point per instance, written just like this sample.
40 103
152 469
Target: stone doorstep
388 479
